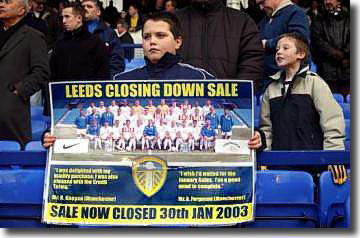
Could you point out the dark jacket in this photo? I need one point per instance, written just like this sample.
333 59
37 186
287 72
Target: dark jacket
169 67
222 40
127 39
306 117
113 45
79 55
289 18
330 35
23 66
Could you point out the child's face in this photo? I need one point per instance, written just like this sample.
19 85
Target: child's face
287 54
158 39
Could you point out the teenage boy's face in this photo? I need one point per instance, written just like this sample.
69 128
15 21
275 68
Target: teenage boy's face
287 54
158 39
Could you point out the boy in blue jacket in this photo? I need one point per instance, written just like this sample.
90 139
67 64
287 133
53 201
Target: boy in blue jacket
162 37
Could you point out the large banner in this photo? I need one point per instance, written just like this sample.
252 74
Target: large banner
150 153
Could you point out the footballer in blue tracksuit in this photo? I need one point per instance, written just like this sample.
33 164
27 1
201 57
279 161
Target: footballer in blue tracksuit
150 135
226 124
213 118
208 135
108 117
81 124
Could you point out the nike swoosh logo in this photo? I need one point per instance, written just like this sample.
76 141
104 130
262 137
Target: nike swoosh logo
69 146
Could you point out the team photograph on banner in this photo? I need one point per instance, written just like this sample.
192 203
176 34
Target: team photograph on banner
150 153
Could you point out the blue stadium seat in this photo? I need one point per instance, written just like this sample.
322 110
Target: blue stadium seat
34 146
135 63
339 97
257 112
38 128
6 145
346 110
347 212
348 98
21 197
332 199
36 113
347 145
284 199
260 99
347 129
256 123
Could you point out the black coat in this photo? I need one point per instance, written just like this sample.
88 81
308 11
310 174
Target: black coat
128 52
24 66
329 35
222 40
79 55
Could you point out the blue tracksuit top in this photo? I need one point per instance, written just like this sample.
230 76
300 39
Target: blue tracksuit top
150 131
226 123
81 122
107 117
91 117
93 130
208 132
214 120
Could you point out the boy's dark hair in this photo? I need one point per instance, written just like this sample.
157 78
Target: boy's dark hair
77 9
301 43
170 18
123 23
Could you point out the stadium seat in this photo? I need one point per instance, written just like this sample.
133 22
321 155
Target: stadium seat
284 199
348 98
38 128
21 197
34 146
347 145
36 113
332 199
257 112
347 212
135 63
347 129
256 123
260 99
346 110
6 145
338 97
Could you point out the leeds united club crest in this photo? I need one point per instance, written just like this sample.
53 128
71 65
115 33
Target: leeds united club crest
149 174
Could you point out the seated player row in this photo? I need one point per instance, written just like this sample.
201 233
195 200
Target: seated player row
150 136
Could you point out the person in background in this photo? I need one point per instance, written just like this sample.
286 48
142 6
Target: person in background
134 18
221 40
124 36
24 68
331 46
282 16
97 27
170 5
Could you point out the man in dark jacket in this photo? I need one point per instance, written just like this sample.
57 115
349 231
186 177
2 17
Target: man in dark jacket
106 34
331 46
125 38
24 68
222 40
78 55
282 16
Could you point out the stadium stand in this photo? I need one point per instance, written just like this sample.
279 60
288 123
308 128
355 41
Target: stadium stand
348 98
346 110
6 145
339 97
332 199
34 146
38 127
347 212
284 199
